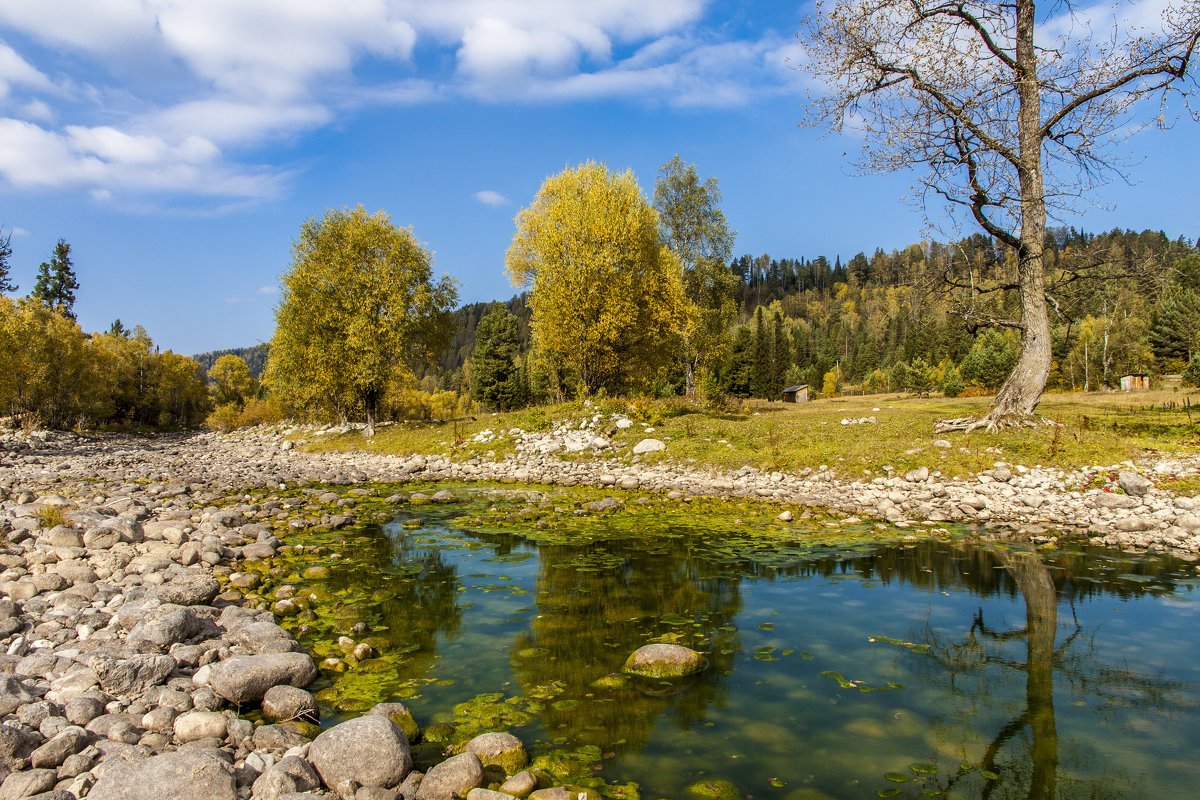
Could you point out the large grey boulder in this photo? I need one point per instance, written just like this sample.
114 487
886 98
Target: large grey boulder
182 775
200 725
16 744
455 776
246 679
291 775
165 625
264 637
133 675
287 703
67 742
13 693
1133 484
188 589
370 750
27 783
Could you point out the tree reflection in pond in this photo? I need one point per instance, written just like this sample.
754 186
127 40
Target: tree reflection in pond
1022 757
596 604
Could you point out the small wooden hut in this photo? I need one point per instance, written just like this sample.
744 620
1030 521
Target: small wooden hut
796 394
1135 383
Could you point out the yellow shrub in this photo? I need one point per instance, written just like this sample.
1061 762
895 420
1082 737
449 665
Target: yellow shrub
223 418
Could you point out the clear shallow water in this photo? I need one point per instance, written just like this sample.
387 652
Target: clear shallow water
844 670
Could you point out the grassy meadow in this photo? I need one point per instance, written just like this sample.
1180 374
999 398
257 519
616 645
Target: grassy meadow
1093 429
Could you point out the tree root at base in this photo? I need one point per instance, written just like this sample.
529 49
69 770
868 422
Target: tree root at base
993 422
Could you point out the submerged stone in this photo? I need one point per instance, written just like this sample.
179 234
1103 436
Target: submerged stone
716 789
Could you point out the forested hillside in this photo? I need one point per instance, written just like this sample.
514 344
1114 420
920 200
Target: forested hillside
255 358
1123 302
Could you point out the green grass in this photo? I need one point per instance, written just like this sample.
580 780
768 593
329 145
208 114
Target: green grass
1094 429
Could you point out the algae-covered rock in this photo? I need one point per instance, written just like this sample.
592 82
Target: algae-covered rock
612 681
499 750
714 789
439 733
665 661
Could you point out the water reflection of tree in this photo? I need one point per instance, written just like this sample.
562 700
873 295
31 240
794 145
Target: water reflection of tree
1024 752
598 603
407 588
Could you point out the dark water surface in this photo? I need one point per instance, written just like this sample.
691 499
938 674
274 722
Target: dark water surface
839 668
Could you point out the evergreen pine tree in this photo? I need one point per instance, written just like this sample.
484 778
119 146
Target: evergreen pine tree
760 365
496 379
781 356
6 285
56 282
738 379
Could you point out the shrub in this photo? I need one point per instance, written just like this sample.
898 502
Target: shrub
259 412
829 387
1191 375
223 418
50 516
952 382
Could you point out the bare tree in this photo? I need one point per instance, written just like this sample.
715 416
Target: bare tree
1014 112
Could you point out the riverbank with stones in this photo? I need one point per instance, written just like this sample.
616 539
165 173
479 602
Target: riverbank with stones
127 673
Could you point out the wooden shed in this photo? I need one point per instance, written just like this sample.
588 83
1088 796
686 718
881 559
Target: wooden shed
796 394
1135 383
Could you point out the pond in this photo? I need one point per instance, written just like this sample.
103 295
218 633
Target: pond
845 660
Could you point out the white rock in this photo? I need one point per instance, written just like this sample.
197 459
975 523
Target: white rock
649 446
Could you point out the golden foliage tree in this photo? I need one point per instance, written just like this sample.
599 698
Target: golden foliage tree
359 306
231 380
606 293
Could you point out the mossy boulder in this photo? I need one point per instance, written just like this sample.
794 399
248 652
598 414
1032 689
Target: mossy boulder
665 661
499 750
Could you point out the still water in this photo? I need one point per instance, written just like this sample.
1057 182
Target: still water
839 666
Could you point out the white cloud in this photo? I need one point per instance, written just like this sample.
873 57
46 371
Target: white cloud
19 232
268 290
106 159
16 71
490 198
172 87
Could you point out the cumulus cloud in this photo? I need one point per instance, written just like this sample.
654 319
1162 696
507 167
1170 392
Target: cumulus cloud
490 198
168 89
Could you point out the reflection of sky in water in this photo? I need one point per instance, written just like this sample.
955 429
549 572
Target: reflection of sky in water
1124 691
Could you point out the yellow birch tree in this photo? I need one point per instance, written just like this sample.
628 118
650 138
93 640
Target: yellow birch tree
359 306
605 292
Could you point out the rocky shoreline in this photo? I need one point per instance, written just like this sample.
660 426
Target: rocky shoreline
129 668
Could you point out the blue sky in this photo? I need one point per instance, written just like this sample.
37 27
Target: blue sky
178 144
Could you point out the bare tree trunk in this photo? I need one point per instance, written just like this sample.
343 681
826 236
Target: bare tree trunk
369 402
1022 391
690 371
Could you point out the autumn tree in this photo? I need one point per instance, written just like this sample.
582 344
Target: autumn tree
231 381
605 291
359 308
56 283
1012 114
694 227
